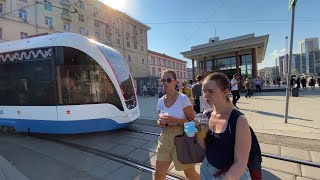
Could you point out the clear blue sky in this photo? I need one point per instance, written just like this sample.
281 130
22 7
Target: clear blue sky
171 36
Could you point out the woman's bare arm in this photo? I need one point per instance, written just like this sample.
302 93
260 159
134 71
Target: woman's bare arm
241 149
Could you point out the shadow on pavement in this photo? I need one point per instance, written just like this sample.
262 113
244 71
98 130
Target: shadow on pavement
304 126
274 114
267 99
268 175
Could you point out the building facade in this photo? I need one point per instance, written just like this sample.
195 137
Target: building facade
24 18
235 55
160 62
307 62
308 49
282 66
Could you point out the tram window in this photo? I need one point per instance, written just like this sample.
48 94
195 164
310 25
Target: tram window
27 83
122 73
81 80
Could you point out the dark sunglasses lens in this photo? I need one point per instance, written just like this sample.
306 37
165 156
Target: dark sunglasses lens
169 80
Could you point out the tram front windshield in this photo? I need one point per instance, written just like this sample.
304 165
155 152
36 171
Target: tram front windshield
122 73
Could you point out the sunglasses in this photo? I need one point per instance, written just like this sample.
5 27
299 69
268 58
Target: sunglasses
169 80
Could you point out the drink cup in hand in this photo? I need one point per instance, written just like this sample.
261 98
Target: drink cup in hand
203 121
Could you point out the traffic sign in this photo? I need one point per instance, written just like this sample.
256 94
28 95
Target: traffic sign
291 3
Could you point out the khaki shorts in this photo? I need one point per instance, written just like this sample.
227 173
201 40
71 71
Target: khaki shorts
166 150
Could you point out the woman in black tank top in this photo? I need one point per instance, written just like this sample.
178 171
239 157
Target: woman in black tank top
228 139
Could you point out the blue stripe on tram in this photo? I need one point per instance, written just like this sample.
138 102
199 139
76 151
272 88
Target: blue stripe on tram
62 127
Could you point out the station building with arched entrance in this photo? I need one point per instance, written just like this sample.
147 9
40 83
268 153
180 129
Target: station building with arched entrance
239 55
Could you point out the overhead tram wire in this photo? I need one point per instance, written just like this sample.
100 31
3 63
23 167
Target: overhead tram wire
228 21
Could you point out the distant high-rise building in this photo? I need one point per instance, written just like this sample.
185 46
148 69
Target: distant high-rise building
307 49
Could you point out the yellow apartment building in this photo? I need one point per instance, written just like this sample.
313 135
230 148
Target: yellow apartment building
26 18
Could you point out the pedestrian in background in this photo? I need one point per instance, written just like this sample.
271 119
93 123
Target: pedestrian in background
304 84
197 91
174 110
160 91
187 91
247 86
312 83
258 84
298 81
235 90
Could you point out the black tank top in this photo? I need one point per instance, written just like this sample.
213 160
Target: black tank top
220 146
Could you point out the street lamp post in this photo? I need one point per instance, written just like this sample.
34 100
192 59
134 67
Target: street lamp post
289 62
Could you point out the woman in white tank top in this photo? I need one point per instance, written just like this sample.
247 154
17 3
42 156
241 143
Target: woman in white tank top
174 110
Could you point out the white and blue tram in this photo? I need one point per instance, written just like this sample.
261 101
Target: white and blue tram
64 84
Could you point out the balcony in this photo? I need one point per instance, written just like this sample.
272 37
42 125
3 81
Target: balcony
65 3
66 16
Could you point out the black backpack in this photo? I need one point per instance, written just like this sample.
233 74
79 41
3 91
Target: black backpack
255 158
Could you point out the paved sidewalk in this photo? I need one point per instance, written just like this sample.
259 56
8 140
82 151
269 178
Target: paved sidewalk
272 168
265 112
9 172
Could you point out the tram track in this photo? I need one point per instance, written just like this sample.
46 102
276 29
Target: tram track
133 163
273 156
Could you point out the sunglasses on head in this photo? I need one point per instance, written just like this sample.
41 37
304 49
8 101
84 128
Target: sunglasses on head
169 80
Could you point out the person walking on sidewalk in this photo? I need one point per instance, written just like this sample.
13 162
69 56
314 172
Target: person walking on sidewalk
196 91
247 86
258 84
174 110
312 83
227 139
235 90
304 83
298 81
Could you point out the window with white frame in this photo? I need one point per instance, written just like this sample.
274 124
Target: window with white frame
47 5
1 9
23 35
48 21
108 38
81 4
23 14
95 12
66 27
65 12
141 39
81 17
153 71
82 31
152 60
1 33
128 44
96 23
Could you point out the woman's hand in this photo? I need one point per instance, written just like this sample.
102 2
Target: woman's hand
168 119
160 123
